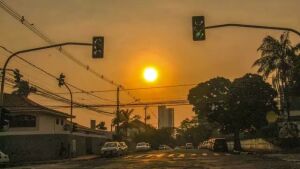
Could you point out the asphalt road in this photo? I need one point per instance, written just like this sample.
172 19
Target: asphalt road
182 159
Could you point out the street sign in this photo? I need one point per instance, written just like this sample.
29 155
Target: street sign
98 47
198 28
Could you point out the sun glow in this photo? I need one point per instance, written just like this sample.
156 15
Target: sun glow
150 74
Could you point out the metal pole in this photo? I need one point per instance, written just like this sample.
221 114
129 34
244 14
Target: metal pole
25 51
145 108
118 109
71 104
253 26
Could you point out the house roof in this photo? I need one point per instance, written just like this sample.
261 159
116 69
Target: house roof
16 104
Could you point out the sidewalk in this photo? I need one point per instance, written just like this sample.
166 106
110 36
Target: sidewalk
80 158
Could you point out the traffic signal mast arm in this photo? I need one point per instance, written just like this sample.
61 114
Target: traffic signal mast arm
253 26
25 51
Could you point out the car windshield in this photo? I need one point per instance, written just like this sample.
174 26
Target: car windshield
110 145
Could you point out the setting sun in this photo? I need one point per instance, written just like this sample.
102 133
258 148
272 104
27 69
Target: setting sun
150 74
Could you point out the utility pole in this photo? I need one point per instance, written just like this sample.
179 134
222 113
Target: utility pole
118 109
145 108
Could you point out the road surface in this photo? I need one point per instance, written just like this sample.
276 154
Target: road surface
181 159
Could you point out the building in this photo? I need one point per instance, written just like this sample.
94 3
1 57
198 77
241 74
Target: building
165 117
38 133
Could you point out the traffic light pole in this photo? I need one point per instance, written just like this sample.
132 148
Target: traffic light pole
118 110
253 26
26 51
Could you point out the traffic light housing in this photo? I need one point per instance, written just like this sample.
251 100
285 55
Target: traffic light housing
61 80
198 28
98 47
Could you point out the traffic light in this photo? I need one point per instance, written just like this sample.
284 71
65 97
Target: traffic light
198 28
61 80
17 76
98 47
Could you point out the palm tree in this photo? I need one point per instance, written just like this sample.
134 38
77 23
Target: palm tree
277 58
23 89
125 119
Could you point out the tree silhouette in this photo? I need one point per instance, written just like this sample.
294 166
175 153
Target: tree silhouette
237 106
277 58
101 126
23 89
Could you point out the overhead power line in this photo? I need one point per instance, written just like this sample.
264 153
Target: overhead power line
40 34
54 77
48 94
141 88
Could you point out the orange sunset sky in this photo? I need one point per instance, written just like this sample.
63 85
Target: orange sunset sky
140 33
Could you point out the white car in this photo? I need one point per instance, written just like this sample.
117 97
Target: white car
111 149
3 157
124 147
142 146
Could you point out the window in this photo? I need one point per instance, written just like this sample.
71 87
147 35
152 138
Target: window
22 121
57 121
62 122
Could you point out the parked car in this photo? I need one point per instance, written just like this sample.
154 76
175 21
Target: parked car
164 147
124 147
111 149
189 146
3 158
143 146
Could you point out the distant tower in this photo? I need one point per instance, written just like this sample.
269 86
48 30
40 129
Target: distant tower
165 117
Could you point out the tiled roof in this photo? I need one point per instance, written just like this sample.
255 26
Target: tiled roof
15 103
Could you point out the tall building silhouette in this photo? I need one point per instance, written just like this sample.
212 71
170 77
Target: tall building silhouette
165 117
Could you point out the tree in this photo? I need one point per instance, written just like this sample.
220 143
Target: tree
237 106
250 99
194 130
101 126
126 118
277 58
23 89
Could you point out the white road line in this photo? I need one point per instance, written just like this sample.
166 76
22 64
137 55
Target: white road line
216 154
204 154
128 156
171 155
181 156
227 154
150 155
159 155
139 156
193 155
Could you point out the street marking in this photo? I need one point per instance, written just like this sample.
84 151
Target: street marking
159 155
204 154
139 156
227 154
216 154
193 155
128 156
150 155
181 156
171 155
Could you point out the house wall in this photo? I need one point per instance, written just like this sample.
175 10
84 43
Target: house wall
44 124
40 147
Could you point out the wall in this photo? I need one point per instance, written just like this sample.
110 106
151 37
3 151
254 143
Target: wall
255 145
39 147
